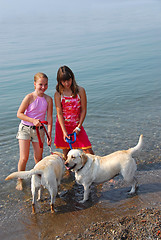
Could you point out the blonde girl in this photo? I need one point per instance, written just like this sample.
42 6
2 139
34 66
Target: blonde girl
33 109
71 107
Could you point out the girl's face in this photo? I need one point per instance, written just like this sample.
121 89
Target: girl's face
41 86
67 83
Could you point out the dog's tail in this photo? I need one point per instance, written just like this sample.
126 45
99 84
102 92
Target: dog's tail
23 174
138 146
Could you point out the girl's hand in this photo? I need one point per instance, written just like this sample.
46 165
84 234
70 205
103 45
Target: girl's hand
65 135
77 130
49 141
36 122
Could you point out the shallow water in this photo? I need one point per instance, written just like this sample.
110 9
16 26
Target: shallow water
113 47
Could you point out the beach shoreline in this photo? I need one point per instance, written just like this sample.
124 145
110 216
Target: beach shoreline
109 214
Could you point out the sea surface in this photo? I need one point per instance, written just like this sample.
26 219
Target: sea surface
114 50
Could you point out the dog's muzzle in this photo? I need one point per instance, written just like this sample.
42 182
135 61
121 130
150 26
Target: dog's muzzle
68 167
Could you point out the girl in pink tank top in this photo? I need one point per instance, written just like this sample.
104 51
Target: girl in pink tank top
33 109
37 110
71 106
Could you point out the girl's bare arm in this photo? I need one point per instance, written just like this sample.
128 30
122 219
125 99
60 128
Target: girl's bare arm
50 118
83 97
58 106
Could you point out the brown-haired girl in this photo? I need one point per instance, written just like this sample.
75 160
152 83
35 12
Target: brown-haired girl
33 109
71 107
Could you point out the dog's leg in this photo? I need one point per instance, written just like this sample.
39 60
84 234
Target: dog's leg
134 186
33 208
53 189
35 183
33 190
52 208
53 197
128 173
86 193
59 190
39 194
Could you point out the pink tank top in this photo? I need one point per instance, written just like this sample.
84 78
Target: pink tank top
71 108
37 110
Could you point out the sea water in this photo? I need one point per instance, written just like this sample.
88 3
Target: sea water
114 50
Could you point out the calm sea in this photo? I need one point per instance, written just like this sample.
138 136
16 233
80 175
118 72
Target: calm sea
114 50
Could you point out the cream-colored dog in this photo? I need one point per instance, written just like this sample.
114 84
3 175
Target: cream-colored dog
94 169
47 173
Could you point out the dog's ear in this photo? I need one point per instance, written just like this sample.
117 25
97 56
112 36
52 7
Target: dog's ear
84 158
64 158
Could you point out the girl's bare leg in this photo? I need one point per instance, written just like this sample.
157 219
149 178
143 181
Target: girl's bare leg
65 152
38 152
24 146
89 150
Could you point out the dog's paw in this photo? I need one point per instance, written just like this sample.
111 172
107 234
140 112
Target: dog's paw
133 192
82 201
52 208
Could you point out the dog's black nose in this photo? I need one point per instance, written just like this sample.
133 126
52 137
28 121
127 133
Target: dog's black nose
66 164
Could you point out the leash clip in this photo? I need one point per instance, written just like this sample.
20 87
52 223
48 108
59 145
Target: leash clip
50 149
71 140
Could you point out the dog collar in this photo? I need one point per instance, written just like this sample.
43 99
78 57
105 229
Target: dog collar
54 153
80 168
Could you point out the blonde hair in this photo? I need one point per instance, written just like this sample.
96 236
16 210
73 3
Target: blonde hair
40 75
65 73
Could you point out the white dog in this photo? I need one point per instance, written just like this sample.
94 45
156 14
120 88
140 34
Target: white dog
47 173
95 169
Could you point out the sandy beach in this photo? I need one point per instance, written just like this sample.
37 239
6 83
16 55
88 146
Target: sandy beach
146 224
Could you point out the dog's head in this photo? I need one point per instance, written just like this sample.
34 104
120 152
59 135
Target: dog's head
76 159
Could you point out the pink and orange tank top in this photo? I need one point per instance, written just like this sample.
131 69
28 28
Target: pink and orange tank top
37 110
71 108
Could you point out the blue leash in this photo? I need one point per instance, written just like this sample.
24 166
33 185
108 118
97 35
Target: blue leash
71 141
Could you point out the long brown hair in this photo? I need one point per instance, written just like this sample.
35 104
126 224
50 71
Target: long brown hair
65 73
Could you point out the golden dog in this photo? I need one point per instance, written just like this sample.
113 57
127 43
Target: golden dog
95 169
47 173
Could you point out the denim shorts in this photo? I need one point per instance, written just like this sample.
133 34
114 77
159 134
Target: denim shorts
28 133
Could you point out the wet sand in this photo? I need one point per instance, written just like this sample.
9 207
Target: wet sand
144 225
109 206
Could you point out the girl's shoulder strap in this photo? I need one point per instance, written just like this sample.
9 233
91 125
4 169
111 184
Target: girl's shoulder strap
47 98
62 97
30 98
